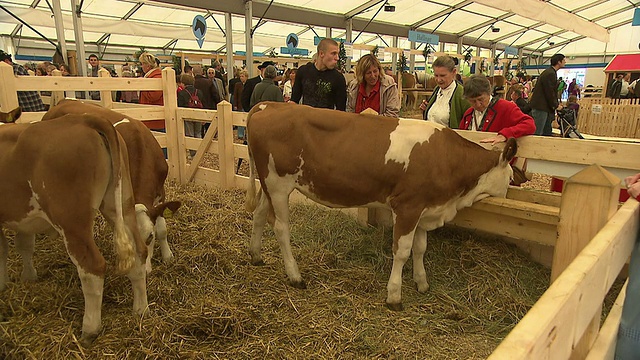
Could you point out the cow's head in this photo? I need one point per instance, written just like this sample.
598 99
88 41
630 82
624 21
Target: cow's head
495 182
11 116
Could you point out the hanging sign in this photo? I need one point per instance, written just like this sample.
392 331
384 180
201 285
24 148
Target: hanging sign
291 51
292 41
510 50
422 37
199 27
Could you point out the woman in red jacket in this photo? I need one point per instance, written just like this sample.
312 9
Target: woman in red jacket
151 70
151 97
493 114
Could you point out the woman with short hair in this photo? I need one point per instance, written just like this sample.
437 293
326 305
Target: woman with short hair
373 89
493 114
447 103
152 71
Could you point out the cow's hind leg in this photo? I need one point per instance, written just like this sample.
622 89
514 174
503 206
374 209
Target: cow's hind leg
280 203
25 245
419 248
259 221
4 254
91 266
403 233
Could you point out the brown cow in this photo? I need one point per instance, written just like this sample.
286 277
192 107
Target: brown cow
148 171
420 170
56 175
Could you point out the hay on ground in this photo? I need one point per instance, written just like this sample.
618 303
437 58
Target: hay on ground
211 303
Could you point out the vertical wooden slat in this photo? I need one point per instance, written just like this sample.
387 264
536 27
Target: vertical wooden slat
225 145
105 96
170 96
8 95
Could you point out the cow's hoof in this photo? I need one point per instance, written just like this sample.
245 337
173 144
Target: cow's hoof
422 288
258 263
168 260
87 339
298 284
29 276
395 307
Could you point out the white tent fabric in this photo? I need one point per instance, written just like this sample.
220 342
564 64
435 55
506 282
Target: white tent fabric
541 11
157 24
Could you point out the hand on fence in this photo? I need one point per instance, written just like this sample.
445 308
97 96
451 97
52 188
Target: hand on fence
633 185
494 140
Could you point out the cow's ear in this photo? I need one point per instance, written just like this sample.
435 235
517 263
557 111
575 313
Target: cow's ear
510 149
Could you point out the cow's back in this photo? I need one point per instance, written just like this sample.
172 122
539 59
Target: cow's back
149 168
351 159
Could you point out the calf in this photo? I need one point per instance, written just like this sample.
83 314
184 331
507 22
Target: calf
56 175
148 171
420 170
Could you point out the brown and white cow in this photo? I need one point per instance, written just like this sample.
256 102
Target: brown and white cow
148 171
57 175
420 170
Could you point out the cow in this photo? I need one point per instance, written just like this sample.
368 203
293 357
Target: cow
421 171
55 176
148 171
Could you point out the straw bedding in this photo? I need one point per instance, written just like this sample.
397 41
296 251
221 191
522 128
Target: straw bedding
211 303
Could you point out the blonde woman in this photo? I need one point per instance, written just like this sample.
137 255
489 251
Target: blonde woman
372 88
151 70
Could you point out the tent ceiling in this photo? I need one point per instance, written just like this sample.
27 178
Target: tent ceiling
154 24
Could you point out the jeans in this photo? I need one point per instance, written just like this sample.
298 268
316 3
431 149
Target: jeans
543 120
628 344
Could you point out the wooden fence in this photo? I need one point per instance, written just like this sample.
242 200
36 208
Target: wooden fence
610 117
584 223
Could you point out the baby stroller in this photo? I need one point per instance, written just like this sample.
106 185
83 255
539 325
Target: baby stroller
567 120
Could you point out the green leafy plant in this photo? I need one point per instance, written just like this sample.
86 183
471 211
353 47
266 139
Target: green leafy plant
272 53
375 50
467 56
342 58
402 62
427 52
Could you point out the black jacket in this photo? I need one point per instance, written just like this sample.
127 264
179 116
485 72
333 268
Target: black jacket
248 90
545 93
207 93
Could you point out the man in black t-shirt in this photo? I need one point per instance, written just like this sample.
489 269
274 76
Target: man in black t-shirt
319 83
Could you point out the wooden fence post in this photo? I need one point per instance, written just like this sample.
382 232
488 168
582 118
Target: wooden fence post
105 96
56 96
170 97
589 200
226 159
8 92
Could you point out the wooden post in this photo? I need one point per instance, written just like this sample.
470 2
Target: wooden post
8 92
105 96
170 97
589 200
56 96
225 145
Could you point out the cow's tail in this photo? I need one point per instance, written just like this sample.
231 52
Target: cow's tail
123 237
251 199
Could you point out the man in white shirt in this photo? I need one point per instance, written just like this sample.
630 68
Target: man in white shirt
624 90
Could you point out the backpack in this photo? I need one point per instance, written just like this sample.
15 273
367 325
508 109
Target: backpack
194 100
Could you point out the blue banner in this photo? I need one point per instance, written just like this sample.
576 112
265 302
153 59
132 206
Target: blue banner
510 50
316 40
424 37
244 53
286 50
636 17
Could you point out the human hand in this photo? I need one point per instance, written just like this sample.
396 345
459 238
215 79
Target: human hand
559 107
423 105
494 140
630 180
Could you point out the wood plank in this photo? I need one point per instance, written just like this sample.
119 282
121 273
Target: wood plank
65 83
519 209
511 227
534 196
202 149
605 344
549 329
